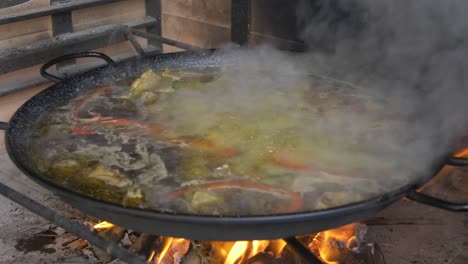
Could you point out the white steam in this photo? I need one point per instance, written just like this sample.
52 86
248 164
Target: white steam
398 46
412 53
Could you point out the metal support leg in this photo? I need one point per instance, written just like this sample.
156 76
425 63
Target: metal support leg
136 45
71 226
154 10
302 251
62 23
240 21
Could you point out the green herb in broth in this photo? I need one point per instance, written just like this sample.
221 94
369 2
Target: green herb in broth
266 151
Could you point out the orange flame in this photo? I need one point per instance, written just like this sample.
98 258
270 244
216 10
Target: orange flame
332 242
243 250
167 244
277 246
103 225
330 245
173 249
180 246
237 252
258 246
446 170
231 252
151 256
462 154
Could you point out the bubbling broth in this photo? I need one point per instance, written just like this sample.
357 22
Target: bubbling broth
202 142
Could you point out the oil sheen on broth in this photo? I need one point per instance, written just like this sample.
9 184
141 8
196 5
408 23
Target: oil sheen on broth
200 142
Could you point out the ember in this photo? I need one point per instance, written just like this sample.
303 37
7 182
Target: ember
103 225
243 250
332 247
333 244
462 154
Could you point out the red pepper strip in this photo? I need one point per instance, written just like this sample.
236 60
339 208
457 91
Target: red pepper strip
294 206
81 129
77 107
206 146
282 161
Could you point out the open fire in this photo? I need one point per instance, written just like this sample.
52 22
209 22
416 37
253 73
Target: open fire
346 244
341 245
331 247
330 244
173 250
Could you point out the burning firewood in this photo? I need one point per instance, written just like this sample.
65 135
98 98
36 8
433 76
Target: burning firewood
143 244
199 253
173 250
263 258
371 253
114 234
191 258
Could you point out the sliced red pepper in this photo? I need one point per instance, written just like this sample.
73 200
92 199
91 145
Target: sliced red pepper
294 205
151 128
78 105
280 160
206 146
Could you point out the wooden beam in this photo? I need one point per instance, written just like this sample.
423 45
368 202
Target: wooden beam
52 10
41 52
167 41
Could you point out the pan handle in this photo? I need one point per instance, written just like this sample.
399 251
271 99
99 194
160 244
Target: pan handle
460 162
436 202
88 54
439 203
3 125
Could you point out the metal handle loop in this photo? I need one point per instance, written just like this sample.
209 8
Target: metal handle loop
436 202
439 203
88 54
3 125
460 162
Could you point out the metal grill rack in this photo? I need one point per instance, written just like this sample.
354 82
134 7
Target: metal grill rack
66 41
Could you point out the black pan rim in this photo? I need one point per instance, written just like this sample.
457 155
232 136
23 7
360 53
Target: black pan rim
50 184
400 192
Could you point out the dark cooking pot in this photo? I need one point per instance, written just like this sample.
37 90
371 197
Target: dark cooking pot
179 225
